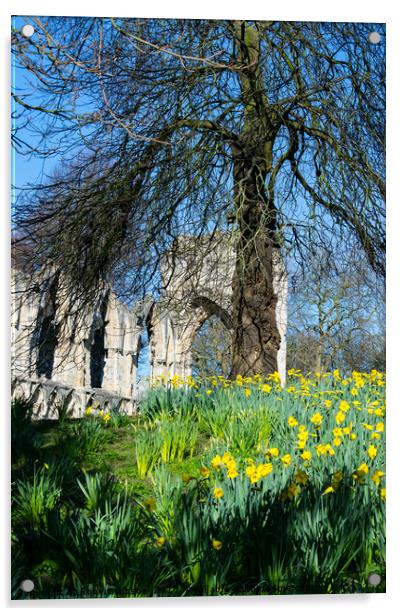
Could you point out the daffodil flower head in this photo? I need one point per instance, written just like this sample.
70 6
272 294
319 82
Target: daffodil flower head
217 492
204 472
316 419
216 544
264 469
301 477
216 461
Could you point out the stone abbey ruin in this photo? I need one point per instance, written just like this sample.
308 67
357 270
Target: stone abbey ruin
57 361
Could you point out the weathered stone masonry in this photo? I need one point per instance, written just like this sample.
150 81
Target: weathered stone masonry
55 361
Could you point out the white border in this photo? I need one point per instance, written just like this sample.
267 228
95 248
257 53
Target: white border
308 10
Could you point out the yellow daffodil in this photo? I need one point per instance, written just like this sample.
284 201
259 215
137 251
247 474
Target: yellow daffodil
204 472
227 458
251 471
150 504
286 459
360 473
264 469
340 417
337 478
216 461
376 477
323 449
217 492
292 491
301 477
292 422
216 544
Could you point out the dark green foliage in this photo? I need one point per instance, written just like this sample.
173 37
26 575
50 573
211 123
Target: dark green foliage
80 533
24 438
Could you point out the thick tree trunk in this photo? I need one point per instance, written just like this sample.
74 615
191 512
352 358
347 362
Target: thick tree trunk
256 338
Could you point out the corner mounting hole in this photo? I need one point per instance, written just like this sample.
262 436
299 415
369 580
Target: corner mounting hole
374 38
27 585
374 579
28 30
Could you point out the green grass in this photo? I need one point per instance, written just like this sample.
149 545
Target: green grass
120 506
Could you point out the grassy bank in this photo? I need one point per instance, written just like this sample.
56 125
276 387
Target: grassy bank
215 487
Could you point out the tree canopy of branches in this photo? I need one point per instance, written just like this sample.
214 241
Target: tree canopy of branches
269 132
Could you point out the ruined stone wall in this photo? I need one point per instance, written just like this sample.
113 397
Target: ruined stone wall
99 352
197 276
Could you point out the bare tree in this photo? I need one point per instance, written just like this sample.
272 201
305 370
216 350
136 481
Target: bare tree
270 132
336 313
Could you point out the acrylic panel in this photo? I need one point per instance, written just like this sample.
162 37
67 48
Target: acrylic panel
198 314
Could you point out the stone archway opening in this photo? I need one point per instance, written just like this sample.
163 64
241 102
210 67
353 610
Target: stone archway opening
143 372
97 357
46 334
211 349
97 349
47 341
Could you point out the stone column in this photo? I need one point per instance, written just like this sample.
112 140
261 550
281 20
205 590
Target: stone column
121 342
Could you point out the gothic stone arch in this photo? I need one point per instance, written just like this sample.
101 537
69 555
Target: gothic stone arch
197 278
